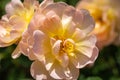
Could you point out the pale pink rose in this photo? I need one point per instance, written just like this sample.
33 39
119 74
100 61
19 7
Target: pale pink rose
116 5
59 40
15 21
28 39
105 17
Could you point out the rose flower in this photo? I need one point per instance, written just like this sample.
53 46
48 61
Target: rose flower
58 39
15 21
105 17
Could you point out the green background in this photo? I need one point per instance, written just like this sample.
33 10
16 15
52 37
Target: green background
106 67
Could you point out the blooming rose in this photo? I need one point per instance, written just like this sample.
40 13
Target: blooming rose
116 5
105 17
15 21
58 39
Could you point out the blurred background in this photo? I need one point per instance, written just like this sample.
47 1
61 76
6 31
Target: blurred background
106 67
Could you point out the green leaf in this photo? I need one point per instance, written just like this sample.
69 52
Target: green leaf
93 78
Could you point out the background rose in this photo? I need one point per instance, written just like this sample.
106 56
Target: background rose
105 16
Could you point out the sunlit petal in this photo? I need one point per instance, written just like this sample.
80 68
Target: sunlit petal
39 72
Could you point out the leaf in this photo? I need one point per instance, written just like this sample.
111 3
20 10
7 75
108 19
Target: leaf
93 78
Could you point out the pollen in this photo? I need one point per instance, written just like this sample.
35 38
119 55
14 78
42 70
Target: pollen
67 46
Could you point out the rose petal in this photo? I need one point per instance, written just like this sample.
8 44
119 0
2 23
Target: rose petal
56 47
45 3
14 4
58 8
74 71
39 38
16 53
86 46
41 44
81 60
68 26
26 46
39 72
59 72
64 59
78 35
81 18
52 24
49 60
29 3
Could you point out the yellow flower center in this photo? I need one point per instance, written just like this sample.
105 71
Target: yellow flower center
26 14
67 46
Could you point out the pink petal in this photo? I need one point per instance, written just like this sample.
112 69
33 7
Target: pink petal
62 57
78 35
45 3
81 18
5 37
52 24
9 9
16 53
59 72
86 46
29 3
14 4
88 22
17 4
39 72
52 41
25 46
56 47
58 8
81 60
36 22
6 41
41 44
68 26
18 23
49 60
74 71
39 41
5 18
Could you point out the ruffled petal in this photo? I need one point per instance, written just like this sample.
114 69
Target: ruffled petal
52 24
56 47
74 71
68 26
26 46
45 3
58 8
81 18
39 72
41 44
59 72
78 35
12 6
61 57
86 46
30 3
80 60
39 41
16 53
